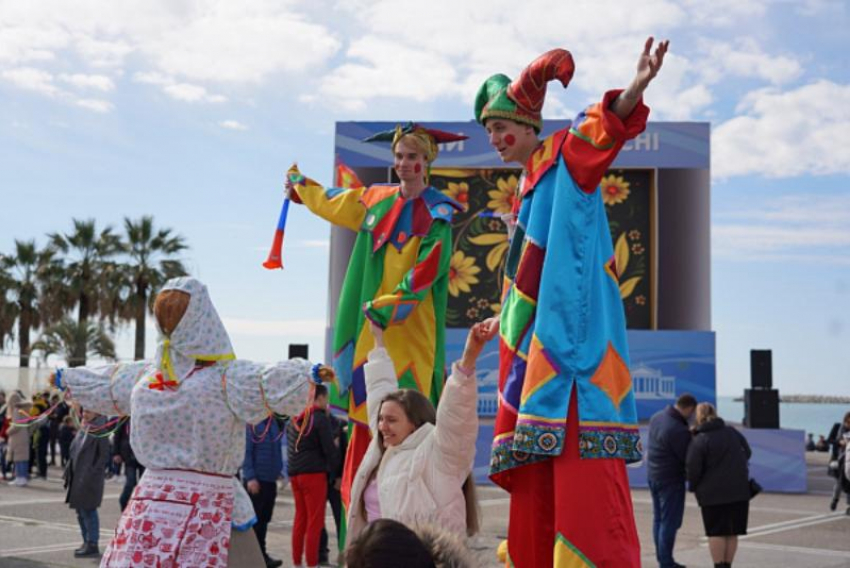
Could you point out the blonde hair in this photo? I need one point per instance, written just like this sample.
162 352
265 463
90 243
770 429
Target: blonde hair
705 413
421 140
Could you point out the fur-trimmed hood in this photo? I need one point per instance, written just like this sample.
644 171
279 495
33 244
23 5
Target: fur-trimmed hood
447 549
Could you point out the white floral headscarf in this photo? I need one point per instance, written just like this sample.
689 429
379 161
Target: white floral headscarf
199 336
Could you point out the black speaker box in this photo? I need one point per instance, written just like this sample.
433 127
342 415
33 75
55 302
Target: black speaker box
761 408
761 369
299 350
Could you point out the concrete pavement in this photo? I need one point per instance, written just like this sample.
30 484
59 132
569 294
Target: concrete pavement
37 529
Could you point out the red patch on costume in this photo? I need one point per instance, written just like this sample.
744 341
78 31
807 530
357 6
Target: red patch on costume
510 140
417 168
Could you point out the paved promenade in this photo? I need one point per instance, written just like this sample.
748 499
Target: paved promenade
38 530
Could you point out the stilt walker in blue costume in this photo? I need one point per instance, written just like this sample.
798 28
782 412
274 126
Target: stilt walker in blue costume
566 424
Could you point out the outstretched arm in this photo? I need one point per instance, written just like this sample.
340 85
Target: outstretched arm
457 415
600 131
106 389
647 68
340 206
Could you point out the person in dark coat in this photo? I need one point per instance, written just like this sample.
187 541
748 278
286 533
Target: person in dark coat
55 422
311 456
838 439
260 470
85 475
718 473
122 453
41 436
67 432
338 427
666 450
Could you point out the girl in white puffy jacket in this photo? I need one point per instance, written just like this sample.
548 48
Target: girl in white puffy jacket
417 467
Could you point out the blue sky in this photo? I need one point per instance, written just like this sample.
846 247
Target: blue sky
192 111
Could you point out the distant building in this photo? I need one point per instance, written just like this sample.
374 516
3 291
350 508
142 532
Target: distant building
488 392
650 384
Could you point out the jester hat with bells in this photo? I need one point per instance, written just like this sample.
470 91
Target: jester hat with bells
522 100
429 138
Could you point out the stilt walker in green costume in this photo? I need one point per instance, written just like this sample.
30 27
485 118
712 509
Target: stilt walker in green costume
397 276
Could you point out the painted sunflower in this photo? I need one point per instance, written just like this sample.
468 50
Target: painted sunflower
615 189
459 192
499 243
462 271
502 198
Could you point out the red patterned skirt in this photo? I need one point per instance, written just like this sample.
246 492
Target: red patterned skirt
175 518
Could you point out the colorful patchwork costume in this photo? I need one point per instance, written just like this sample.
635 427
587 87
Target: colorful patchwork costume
566 423
397 277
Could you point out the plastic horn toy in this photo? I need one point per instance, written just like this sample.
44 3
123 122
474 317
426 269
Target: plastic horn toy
275 259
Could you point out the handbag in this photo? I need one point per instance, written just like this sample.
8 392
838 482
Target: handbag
755 488
832 469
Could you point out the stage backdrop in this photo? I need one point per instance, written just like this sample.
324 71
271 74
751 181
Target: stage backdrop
664 364
778 462
480 240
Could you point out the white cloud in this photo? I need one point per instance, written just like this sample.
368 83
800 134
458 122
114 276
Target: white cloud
30 43
745 58
400 71
232 125
152 78
347 53
103 53
802 227
443 56
96 105
32 79
185 92
83 81
42 82
191 93
786 133
244 42
205 41
724 13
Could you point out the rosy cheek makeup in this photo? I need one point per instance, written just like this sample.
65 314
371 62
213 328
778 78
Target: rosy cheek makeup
417 168
510 140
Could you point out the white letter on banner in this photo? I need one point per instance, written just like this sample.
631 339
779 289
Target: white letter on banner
643 142
450 146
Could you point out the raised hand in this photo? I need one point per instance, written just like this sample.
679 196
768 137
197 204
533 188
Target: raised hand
650 63
476 339
490 328
326 374
378 334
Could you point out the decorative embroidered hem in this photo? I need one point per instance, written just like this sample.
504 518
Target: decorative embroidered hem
531 443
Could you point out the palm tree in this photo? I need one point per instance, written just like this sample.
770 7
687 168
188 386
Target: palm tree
89 270
65 337
149 268
27 273
8 309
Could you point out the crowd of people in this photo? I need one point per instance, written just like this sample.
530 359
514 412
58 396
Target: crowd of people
29 449
566 425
